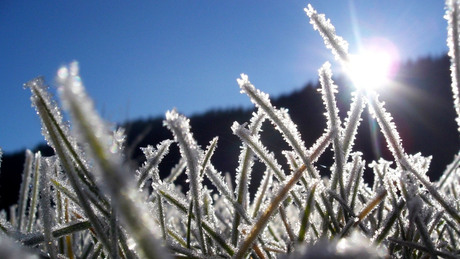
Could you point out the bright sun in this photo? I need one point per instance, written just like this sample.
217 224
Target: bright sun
374 66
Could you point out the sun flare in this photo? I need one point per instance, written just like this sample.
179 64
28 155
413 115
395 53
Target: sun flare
369 70
373 66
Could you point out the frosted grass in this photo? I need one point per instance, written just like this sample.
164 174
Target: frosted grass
335 43
180 127
453 42
86 202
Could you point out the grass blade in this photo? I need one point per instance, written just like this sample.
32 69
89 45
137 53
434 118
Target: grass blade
92 130
180 127
306 213
35 190
262 221
24 190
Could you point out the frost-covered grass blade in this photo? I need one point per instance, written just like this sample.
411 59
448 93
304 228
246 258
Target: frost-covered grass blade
86 202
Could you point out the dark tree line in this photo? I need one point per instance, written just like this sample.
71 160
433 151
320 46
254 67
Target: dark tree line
420 101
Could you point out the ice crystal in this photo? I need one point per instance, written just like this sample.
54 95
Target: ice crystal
337 44
91 129
259 149
34 194
355 168
352 122
84 115
243 175
219 182
279 117
24 189
176 171
45 206
450 172
180 127
388 128
52 120
452 16
246 161
261 193
63 212
328 90
118 140
154 157
280 120
320 146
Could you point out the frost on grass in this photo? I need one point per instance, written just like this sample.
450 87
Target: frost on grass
63 212
54 129
388 128
180 127
280 120
352 121
93 131
335 43
453 36
89 127
46 213
153 158
328 90
259 149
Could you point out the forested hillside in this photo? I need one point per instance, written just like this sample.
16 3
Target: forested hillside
420 99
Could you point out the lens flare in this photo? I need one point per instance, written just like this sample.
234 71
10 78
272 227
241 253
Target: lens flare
374 65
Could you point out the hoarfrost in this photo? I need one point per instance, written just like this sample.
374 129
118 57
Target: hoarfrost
337 44
180 127
118 140
261 195
34 195
328 90
320 146
452 16
352 122
246 161
218 180
84 115
45 206
205 163
292 159
176 171
91 129
279 118
401 202
52 120
451 173
388 128
24 189
153 158
259 149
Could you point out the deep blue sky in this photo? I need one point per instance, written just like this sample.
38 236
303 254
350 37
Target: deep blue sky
141 58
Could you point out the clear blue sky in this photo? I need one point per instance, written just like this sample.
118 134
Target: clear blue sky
141 58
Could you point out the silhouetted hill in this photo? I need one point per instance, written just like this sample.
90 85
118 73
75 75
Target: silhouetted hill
420 101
